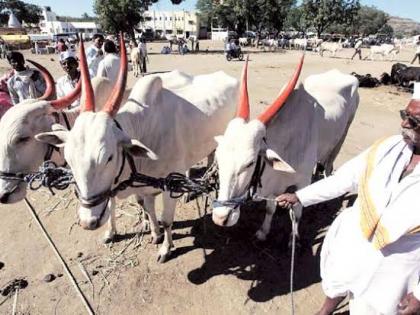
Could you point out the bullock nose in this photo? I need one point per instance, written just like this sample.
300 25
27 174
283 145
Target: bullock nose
4 197
89 225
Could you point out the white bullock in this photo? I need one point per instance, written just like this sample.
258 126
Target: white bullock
331 47
384 50
135 60
291 142
165 127
243 41
20 153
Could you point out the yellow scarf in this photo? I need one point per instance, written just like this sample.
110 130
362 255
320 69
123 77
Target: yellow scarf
370 220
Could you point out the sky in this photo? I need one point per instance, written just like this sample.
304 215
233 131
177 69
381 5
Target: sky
402 8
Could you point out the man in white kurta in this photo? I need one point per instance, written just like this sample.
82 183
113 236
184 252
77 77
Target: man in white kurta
372 250
110 65
67 83
94 54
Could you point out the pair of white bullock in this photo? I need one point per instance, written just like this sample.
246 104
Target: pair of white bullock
168 123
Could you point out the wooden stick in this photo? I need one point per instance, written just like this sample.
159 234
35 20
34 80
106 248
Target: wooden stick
60 258
15 301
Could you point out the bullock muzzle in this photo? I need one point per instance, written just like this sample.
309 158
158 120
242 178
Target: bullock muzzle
92 218
225 215
12 193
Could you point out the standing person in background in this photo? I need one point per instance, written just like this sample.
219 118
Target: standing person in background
109 66
61 46
25 83
94 54
66 84
143 55
358 49
417 55
5 101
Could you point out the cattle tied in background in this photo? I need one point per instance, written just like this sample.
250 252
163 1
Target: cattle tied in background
167 125
309 128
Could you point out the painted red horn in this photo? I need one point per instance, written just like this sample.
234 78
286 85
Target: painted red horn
88 102
50 90
67 100
113 104
243 104
282 98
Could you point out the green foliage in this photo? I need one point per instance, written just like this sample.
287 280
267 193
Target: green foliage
296 20
323 14
371 20
84 18
29 13
386 29
240 15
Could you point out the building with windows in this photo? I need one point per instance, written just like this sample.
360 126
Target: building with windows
50 25
167 23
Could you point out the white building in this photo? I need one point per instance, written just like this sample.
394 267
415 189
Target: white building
50 25
182 23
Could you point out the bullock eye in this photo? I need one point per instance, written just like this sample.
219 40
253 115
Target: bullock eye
249 165
109 159
22 140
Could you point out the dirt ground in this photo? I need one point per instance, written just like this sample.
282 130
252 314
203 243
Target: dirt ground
212 270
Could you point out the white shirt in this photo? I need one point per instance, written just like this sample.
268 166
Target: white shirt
350 262
109 67
358 44
93 60
22 87
64 86
142 49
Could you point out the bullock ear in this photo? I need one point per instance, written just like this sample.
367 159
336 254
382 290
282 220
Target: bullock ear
277 162
136 148
56 138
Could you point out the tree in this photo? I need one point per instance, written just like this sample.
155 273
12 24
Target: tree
370 20
206 9
387 30
29 13
272 13
296 20
325 13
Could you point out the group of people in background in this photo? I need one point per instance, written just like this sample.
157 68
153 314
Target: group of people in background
23 82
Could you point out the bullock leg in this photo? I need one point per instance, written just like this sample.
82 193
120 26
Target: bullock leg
263 231
149 207
111 230
167 221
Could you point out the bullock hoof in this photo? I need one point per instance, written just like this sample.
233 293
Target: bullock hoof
261 236
163 258
157 239
108 238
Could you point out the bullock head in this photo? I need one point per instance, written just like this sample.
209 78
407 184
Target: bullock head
239 149
96 146
19 150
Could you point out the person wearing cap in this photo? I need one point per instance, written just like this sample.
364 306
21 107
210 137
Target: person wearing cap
371 252
67 83
94 54
26 82
110 65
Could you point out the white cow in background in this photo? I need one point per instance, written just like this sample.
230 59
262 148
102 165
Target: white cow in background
313 121
167 125
384 50
331 47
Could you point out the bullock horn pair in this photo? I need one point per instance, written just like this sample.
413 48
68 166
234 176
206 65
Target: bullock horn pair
113 103
270 112
62 102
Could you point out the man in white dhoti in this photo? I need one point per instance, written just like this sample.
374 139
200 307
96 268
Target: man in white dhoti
372 250
67 83
26 82
94 54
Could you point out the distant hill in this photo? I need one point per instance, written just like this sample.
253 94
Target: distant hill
404 26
